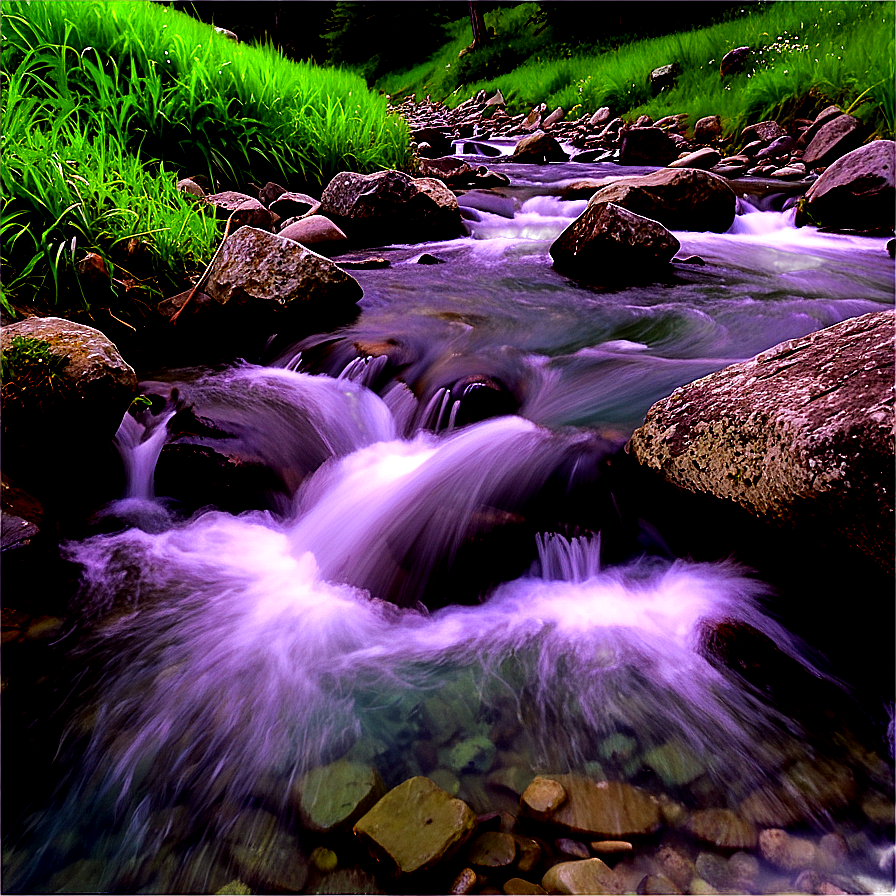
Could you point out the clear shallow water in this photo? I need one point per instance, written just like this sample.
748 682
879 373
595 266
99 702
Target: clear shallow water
225 655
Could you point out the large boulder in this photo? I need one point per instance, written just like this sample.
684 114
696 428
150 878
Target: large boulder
833 140
801 435
857 192
679 198
538 148
608 243
390 207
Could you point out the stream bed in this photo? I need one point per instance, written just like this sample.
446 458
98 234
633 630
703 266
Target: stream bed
446 580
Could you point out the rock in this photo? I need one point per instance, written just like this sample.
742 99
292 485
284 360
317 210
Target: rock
891 248
647 146
333 797
833 140
663 78
473 754
679 199
572 848
464 882
538 148
604 810
190 187
315 230
555 116
246 211
437 138
516 886
288 205
487 202
416 826
492 851
674 763
585 876
675 865
702 158
780 147
714 869
324 860
708 129
722 828
789 172
390 206
476 148
542 798
496 100
823 117
609 243
855 192
599 117
766 131
802 435
734 61
260 269
453 172
269 192
611 847
265 856
656 885
785 851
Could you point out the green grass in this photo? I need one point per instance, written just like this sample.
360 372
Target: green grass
105 105
808 54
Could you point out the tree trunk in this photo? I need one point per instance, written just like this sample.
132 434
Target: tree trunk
480 35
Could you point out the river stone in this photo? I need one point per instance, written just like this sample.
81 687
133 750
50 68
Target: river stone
674 763
390 207
663 78
833 140
785 851
657 885
675 865
823 117
453 172
762 130
517 886
802 435
701 158
647 146
708 129
245 210
288 205
333 797
734 61
584 876
260 269
472 754
538 148
857 191
542 798
679 199
415 826
722 828
605 809
492 850
608 243
315 230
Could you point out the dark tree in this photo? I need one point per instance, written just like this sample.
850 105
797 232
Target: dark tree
480 35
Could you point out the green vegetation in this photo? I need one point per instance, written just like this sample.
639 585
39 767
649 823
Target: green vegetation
27 362
105 105
806 55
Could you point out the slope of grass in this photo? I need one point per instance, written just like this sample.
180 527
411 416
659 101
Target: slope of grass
106 103
806 55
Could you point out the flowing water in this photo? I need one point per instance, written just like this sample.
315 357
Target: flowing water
440 576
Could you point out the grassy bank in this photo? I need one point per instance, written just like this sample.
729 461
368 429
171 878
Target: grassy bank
105 104
806 55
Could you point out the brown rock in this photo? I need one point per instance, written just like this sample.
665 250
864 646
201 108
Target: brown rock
492 850
315 230
647 146
708 129
333 797
464 882
734 61
516 886
586 876
785 851
605 810
542 798
722 828
657 885
245 210
833 140
538 148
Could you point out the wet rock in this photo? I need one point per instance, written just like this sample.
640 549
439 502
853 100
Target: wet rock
891 248
266 856
426 258
785 851
789 172
317 231
609 243
708 129
776 149
333 797
245 210
586 876
674 763
822 784
743 867
272 275
611 847
492 851
802 435
857 191
604 810
529 854
656 885
472 754
714 869
703 159
823 117
647 146
833 140
766 131
269 192
680 199
538 148
416 826
453 172
517 886
722 828
324 860
190 187
288 205
439 140
572 848
663 78
734 61
599 117
464 882
557 115
675 865
487 202
234 888
542 798
700 887
389 207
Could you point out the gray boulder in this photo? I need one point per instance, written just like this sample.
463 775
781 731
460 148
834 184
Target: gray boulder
647 146
801 435
857 192
734 61
538 148
246 211
708 129
389 207
663 78
608 243
679 198
264 270
833 140
762 130
318 231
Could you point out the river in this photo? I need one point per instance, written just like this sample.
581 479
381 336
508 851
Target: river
448 575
